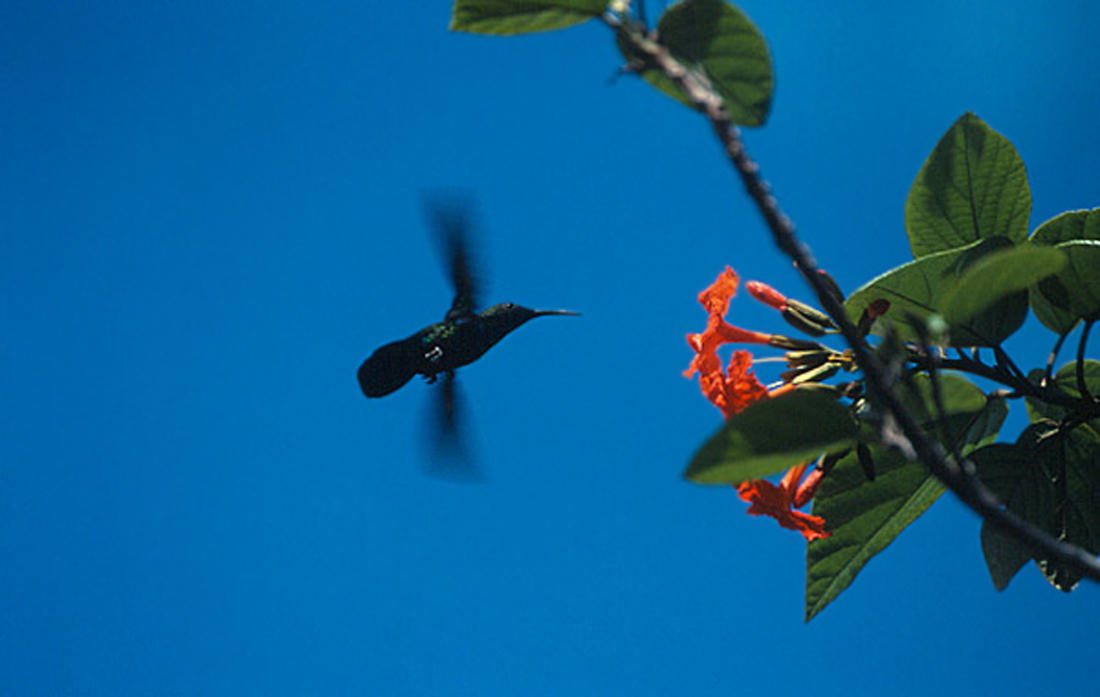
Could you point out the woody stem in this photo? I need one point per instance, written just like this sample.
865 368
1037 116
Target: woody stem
905 434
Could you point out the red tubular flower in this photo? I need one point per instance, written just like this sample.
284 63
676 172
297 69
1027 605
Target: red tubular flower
716 298
779 503
737 387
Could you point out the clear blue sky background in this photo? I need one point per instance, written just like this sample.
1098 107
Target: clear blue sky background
209 215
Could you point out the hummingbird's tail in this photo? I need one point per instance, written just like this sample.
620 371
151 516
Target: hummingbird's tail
388 369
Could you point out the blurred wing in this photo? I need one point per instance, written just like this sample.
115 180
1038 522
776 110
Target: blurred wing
451 222
450 458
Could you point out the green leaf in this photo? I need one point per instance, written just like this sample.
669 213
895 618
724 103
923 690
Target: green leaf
1071 226
1066 381
1025 486
1060 301
917 290
1050 478
865 517
1077 521
507 17
772 435
1004 557
720 41
997 275
973 186
959 396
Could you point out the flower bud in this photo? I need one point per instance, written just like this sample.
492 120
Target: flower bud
821 372
766 294
807 319
832 286
788 344
872 312
807 359
806 490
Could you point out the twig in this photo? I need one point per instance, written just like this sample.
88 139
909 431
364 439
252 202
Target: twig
1082 386
912 440
1054 355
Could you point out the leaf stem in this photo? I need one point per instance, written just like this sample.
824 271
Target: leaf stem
1054 355
1082 386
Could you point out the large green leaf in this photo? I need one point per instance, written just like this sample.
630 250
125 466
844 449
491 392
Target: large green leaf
720 41
773 435
1050 478
973 186
1060 301
865 517
506 17
959 397
1004 557
917 290
997 275
1071 226
1066 381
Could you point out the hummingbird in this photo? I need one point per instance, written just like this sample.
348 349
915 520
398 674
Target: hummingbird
437 351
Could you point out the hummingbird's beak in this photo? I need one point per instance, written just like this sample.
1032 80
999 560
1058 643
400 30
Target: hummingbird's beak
543 313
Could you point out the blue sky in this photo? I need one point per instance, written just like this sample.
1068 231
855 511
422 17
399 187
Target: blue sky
209 215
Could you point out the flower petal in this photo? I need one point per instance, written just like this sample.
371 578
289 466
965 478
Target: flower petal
768 499
716 298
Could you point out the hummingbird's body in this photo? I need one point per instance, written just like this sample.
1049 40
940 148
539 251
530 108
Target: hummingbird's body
442 347
461 338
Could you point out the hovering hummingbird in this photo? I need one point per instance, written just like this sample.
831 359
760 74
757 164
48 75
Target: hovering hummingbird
461 338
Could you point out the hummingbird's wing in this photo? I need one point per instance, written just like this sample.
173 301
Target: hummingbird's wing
451 221
451 458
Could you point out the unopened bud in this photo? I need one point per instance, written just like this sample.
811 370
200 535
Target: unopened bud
832 286
824 387
807 359
872 312
808 488
766 294
807 319
788 344
821 372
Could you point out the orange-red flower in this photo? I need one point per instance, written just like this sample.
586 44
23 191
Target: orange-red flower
736 388
779 501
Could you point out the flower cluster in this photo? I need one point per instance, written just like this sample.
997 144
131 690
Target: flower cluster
736 387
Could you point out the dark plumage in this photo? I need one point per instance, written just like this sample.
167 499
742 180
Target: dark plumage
461 338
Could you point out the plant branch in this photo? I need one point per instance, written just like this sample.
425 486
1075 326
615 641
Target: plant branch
1054 355
912 441
1021 387
1082 386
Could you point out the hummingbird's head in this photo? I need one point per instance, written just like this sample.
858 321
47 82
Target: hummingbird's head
515 315
500 320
